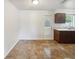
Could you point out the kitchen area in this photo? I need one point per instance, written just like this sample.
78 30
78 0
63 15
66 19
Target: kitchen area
64 28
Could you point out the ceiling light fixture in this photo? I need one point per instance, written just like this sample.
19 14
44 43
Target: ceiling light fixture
35 2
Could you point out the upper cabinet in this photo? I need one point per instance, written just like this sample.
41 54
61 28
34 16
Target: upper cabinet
60 18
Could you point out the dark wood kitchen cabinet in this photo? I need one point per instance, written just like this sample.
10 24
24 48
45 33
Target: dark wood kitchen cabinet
64 36
60 18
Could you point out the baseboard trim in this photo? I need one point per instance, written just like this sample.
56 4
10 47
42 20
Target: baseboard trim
38 39
11 49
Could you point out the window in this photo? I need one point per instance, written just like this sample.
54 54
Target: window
70 19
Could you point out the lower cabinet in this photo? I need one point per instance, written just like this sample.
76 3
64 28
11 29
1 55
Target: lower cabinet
64 36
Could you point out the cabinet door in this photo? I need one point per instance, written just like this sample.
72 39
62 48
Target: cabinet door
60 18
56 35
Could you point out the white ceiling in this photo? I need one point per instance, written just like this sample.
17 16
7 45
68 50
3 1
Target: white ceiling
43 4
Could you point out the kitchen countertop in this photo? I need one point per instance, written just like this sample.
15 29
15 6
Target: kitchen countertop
66 29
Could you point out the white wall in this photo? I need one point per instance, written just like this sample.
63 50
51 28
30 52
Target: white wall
32 24
11 26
